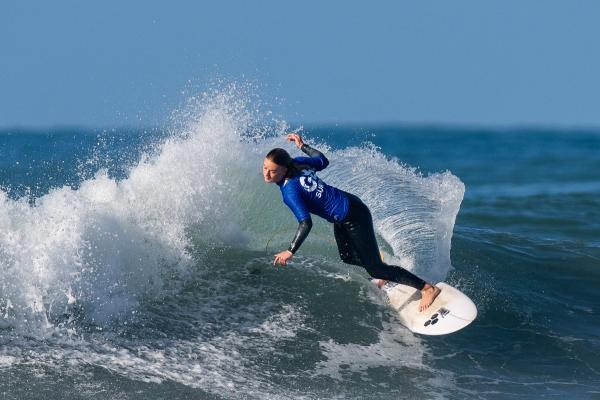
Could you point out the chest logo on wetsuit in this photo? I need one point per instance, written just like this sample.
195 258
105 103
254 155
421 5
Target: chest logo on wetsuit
308 183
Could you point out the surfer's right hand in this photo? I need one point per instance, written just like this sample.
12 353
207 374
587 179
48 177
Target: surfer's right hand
296 138
282 258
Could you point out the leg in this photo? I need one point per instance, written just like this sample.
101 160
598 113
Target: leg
347 252
358 230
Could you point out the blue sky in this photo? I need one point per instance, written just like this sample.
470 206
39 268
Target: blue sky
113 63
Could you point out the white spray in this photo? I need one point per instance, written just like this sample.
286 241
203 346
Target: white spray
103 247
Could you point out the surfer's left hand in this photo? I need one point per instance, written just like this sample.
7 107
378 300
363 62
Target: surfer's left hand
283 257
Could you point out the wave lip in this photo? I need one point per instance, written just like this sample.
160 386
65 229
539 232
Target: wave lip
414 214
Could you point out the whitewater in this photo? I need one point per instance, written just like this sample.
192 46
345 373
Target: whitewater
162 274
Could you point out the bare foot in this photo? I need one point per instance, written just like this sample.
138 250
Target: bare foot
428 295
380 283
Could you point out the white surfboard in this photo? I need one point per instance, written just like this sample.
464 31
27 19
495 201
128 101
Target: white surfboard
451 311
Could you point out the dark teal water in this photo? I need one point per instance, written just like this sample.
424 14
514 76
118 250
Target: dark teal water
114 309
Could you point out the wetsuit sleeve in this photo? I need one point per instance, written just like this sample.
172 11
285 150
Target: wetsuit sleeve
303 230
316 159
293 199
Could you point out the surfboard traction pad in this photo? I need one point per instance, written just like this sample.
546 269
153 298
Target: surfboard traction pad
440 318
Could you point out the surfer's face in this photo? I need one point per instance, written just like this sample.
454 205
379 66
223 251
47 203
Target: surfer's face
273 172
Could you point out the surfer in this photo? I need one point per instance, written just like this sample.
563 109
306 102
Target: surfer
305 194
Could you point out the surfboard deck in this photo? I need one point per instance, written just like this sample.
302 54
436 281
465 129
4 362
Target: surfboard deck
451 311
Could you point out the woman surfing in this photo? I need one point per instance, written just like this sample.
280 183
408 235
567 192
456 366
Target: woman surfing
305 194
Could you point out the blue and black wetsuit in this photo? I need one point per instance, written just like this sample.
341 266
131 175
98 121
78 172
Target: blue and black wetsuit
305 194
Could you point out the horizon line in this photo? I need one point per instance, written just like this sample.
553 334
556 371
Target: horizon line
526 126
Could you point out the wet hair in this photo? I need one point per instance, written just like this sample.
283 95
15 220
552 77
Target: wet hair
283 159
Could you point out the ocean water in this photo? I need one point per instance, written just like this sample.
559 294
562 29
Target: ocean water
136 263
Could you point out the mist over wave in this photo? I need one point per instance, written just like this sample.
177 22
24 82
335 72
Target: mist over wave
95 251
